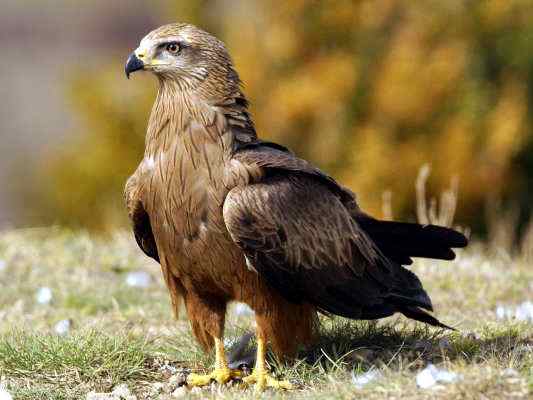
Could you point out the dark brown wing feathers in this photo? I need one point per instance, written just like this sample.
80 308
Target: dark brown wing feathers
400 241
276 159
140 220
144 235
305 235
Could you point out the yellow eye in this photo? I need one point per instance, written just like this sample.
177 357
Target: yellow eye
173 48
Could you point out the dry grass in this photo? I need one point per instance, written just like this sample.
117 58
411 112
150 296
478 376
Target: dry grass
122 334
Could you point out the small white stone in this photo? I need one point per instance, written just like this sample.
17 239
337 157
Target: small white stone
3 265
432 375
62 328
425 378
4 394
140 279
120 392
446 376
180 392
123 393
44 295
243 310
364 379
504 312
157 387
524 312
229 342
510 372
170 369
98 396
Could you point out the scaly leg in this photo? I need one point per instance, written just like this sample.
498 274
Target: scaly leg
260 375
222 372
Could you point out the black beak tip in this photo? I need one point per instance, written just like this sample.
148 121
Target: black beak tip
132 64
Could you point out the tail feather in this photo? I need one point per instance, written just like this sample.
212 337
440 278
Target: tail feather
399 241
422 316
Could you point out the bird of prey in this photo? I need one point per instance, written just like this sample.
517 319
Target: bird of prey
231 217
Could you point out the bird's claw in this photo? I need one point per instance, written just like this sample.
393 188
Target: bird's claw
219 375
263 380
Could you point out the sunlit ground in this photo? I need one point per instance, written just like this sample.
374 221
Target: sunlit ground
74 320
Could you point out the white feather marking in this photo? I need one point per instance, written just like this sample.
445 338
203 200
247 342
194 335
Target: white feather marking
150 162
249 264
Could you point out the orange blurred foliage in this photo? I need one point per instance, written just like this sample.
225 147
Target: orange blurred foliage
368 90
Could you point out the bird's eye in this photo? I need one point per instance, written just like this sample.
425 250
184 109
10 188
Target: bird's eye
173 48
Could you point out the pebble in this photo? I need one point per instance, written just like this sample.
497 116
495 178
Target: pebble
168 370
522 312
98 396
432 375
4 394
3 265
180 392
243 310
44 295
510 372
472 336
158 387
120 392
139 279
123 393
62 328
179 379
361 380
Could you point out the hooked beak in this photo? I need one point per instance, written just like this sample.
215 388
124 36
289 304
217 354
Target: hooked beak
133 64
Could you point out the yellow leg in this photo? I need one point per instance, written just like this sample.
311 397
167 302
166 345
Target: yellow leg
221 374
260 375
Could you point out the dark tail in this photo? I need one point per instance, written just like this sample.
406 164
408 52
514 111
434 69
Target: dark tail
422 316
400 241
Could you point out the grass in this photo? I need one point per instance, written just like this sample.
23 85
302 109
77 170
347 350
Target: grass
126 335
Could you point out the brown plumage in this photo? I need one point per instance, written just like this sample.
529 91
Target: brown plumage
232 218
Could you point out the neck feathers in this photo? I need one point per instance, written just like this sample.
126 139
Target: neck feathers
176 107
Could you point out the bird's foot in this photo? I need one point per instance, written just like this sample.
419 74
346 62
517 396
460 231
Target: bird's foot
220 375
263 380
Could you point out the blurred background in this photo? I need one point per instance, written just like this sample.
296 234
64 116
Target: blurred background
368 90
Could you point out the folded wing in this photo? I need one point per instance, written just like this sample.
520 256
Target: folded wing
298 229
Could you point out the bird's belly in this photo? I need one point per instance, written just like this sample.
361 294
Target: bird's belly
190 231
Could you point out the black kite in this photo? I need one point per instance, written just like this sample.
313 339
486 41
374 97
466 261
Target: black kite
233 218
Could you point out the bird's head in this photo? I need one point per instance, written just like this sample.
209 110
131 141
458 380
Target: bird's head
184 54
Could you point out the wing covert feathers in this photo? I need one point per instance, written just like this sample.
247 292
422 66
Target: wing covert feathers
305 235
303 241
